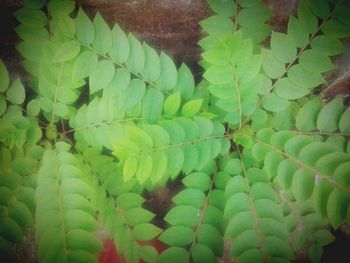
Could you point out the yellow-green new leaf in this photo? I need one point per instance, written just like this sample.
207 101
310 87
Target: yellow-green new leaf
130 168
191 108
172 104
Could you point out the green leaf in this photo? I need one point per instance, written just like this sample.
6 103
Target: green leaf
209 236
183 215
31 18
306 118
297 32
327 45
102 76
303 184
245 241
172 104
146 231
10 230
84 65
253 16
283 47
66 51
304 78
60 8
16 93
136 216
337 205
152 105
3 106
84 28
323 237
66 25
174 255
275 103
222 7
315 61
4 77
248 71
144 168
33 4
136 60
219 75
344 122
307 19
185 82
103 37
179 236
152 69
272 67
191 108
192 197
287 90
315 253
120 45
81 239
329 115
251 255
335 29
202 254
168 73
320 196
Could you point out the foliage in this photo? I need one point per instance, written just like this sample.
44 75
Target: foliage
264 162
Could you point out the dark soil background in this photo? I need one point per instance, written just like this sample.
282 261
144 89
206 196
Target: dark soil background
172 26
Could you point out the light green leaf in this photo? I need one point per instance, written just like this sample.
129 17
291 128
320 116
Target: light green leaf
283 47
306 118
136 60
120 45
305 78
103 37
4 77
245 241
320 196
222 7
248 71
149 254
253 16
192 197
127 201
209 236
152 105
219 75
323 237
152 69
172 104
66 51
275 103
174 255
175 161
16 93
132 94
183 215
329 115
60 8
66 25
287 90
144 168
191 108
272 67
136 216
314 60
129 168
217 26
168 73
177 236
84 65
146 231
102 76
84 28
185 82
197 180
31 18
